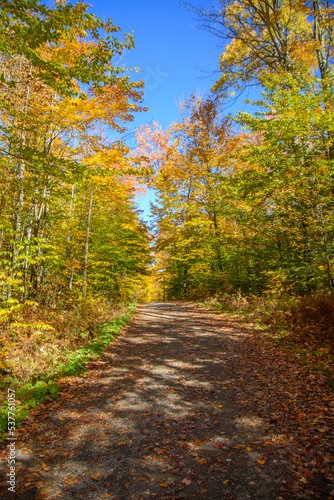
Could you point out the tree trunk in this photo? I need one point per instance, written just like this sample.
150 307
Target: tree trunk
87 242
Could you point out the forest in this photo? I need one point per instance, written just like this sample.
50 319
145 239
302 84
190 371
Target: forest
243 210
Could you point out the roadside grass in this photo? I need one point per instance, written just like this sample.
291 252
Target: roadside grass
304 326
37 358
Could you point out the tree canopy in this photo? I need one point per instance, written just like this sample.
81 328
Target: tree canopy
68 219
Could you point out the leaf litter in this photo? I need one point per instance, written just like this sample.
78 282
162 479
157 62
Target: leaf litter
186 404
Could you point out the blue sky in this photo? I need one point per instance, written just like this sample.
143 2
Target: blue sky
176 56
169 48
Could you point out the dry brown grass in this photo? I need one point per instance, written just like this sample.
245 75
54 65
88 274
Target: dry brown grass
47 335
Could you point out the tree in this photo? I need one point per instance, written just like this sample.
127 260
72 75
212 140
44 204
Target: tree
288 182
59 150
192 160
28 27
269 35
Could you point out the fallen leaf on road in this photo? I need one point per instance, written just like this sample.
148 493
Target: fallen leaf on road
96 476
187 482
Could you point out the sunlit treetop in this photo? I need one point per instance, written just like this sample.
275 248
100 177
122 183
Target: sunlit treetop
28 27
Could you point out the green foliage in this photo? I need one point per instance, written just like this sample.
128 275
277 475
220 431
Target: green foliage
27 26
253 212
288 183
68 222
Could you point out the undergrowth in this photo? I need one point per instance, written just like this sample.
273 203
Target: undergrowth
304 325
34 358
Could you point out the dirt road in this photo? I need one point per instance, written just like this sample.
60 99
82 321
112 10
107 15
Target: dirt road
181 405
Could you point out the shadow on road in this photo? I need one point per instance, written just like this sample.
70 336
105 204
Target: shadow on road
164 413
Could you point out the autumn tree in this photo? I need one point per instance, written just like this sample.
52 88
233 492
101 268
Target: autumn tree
288 182
28 26
61 146
192 160
252 211
268 35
